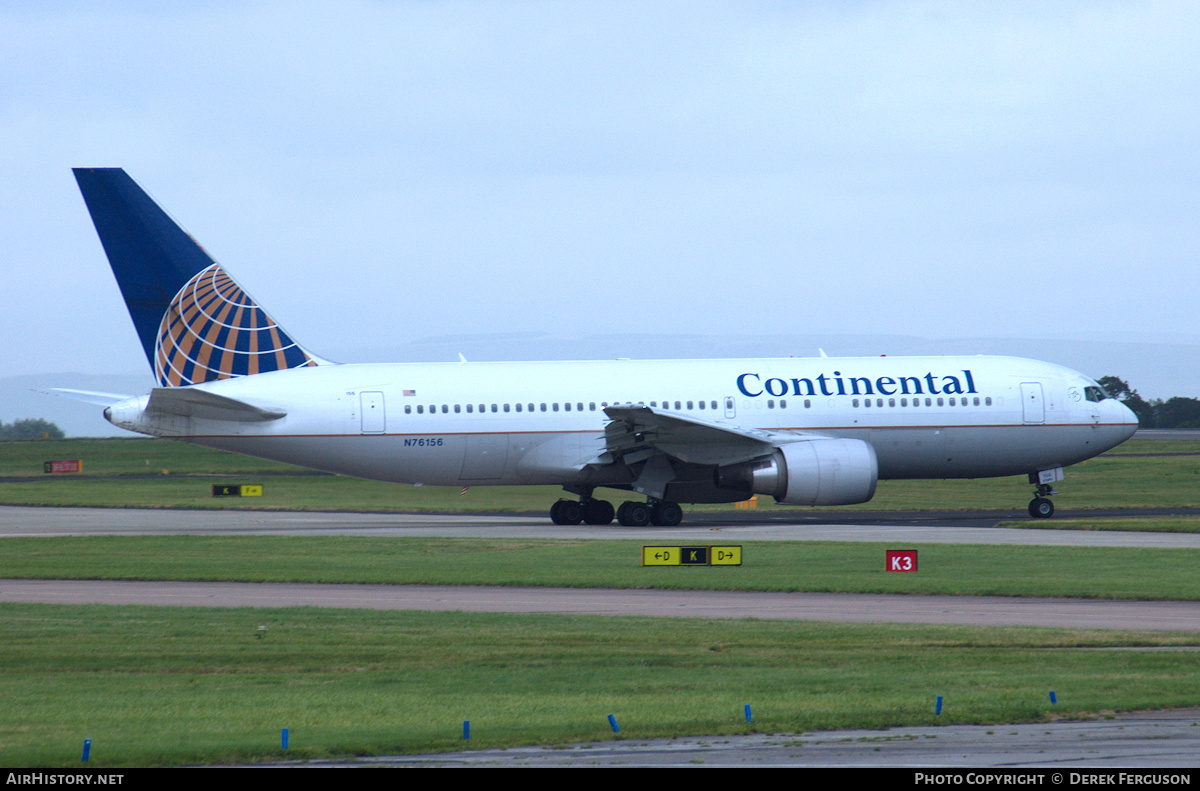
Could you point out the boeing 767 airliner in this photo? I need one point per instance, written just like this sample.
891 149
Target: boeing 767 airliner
806 431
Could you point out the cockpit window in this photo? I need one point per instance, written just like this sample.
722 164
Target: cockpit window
1095 393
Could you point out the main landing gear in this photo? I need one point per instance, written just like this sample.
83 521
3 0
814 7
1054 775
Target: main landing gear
661 513
631 514
1040 507
572 512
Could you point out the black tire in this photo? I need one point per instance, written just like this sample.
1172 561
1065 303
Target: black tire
571 512
633 514
1041 508
598 512
566 512
667 514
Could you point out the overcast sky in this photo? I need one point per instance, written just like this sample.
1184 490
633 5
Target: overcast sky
375 173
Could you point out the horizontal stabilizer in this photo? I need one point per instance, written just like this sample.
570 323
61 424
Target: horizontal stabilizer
189 402
88 396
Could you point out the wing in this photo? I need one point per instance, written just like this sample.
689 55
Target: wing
667 450
638 432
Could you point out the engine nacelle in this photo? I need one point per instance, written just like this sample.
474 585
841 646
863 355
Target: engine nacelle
813 472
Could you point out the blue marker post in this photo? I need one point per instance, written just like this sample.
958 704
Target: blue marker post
938 710
87 749
1053 698
613 722
466 729
748 717
283 738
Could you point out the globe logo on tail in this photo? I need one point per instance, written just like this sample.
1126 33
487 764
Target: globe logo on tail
214 330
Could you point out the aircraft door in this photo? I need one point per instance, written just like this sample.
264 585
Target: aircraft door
1032 404
373 418
730 410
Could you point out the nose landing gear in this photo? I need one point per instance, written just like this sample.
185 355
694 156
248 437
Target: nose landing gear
1040 507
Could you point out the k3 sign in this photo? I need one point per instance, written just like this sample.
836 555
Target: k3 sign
901 560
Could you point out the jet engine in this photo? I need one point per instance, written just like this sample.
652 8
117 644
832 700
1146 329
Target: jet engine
811 472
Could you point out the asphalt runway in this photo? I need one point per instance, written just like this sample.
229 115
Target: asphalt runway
1154 741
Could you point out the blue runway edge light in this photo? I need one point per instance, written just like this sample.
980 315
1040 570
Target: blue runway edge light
613 722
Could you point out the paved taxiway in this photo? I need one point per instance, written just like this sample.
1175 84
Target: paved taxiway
1145 740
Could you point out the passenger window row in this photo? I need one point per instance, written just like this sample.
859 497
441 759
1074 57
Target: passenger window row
783 403
420 409
555 406
964 401
578 406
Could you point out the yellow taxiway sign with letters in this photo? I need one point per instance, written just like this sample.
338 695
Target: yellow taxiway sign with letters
692 556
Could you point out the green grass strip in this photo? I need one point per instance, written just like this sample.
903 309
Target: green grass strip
169 686
1088 572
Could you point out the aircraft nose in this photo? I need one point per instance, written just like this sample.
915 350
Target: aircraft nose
1125 417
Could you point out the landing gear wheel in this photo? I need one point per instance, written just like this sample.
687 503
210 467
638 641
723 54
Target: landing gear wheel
1041 508
633 514
566 512
598 512
666 514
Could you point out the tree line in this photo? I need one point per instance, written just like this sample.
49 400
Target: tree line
1175 412
30 429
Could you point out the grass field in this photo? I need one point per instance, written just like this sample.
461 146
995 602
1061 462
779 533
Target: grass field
975 570
166 686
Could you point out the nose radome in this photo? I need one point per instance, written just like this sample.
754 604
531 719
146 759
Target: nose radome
1124 417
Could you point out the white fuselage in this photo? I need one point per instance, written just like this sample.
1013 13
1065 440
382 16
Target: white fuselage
543 422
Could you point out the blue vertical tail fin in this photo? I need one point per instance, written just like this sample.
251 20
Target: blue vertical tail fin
195 323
